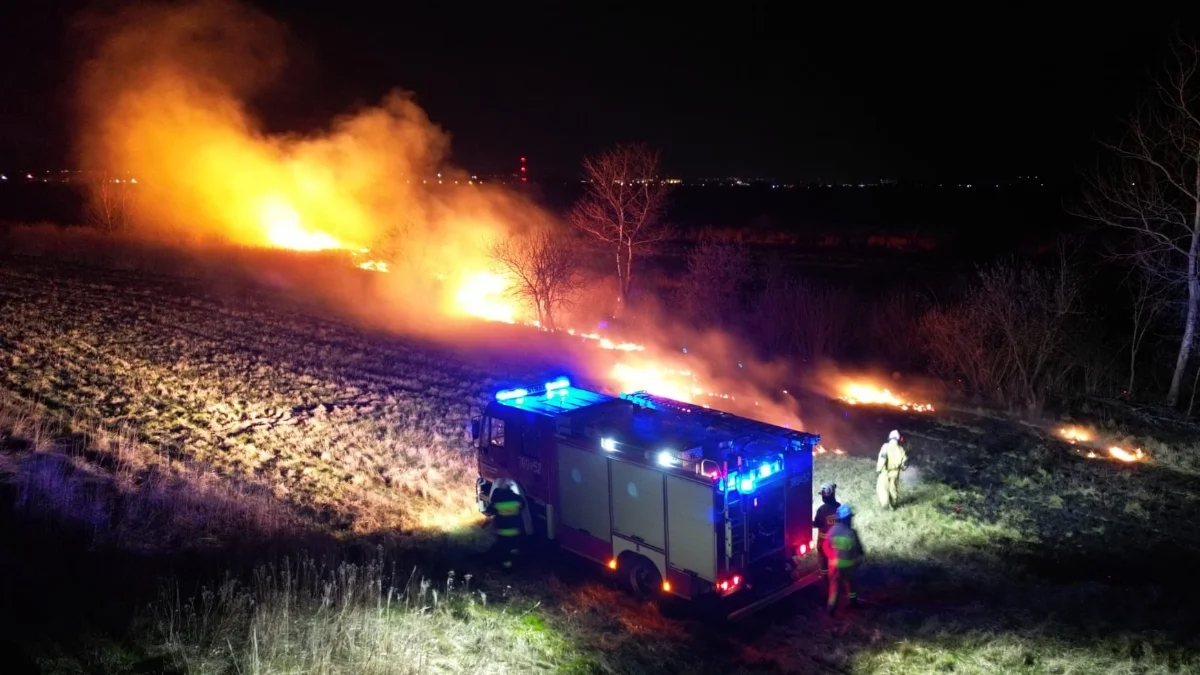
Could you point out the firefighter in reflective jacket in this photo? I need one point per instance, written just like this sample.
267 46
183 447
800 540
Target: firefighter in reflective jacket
892 460
826 518
507 509
845 553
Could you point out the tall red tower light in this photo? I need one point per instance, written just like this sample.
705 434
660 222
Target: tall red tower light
524 171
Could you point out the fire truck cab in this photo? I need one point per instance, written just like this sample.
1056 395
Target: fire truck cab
674 498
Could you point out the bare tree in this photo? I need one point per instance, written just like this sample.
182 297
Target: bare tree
545 265
1153 193
1010 335
712 288
892 326
109 202
1149 299
622 207
801 320
958 342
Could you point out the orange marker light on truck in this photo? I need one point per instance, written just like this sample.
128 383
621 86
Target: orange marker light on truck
666 586
612 564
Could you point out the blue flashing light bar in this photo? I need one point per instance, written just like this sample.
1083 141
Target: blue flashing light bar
747 485
560 386
510 394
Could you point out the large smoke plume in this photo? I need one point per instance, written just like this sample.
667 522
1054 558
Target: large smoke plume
163 100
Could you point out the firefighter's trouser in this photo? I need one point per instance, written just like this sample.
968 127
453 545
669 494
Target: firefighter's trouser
887 488
507 549
510 531
822 559
841 582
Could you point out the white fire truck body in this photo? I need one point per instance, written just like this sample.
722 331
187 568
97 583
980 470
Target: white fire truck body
676 498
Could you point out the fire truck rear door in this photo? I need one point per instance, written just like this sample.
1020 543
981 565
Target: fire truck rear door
691 531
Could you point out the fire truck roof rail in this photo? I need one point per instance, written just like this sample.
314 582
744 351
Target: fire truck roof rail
719 419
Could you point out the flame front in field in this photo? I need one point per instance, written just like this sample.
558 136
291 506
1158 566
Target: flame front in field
861 393
1095 449
284 229
1075 434
658 380
1124 455
822 450
484 295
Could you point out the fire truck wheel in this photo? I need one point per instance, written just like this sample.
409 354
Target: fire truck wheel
642 577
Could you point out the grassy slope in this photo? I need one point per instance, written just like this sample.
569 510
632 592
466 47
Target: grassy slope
1010 555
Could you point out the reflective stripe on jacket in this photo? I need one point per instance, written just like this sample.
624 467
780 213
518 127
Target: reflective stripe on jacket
842 546
506 507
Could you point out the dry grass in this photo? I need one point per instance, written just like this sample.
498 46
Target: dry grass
367 435
167 417
122 493
299 617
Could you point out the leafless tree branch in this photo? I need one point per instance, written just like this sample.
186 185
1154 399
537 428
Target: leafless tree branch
545 265
1153 194
622 207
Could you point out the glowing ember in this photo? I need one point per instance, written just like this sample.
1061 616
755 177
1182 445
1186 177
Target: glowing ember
1075 434
859 393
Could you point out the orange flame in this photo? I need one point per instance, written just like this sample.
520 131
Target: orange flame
1126 456
1075 434
863 393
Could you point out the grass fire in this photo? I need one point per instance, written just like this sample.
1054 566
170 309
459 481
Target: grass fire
290 383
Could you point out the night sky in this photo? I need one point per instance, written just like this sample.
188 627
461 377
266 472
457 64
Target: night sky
762 92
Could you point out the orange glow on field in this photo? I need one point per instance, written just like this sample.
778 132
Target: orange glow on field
284 229
658 380
165 96
484 295
866 393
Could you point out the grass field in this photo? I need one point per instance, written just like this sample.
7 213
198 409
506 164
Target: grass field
228 482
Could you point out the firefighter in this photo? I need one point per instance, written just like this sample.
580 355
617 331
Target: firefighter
826 518
845 552
892 460
507 508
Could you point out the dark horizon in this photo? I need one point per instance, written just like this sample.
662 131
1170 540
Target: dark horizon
899 100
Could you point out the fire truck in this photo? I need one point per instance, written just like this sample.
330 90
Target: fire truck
673 498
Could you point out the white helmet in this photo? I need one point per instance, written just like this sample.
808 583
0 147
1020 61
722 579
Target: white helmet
894 435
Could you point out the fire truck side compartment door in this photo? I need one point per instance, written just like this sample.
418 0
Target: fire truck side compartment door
691 532
583 491
637 494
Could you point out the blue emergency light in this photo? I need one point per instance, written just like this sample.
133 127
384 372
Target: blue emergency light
560 385
510 394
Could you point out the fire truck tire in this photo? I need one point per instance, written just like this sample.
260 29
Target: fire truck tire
641 576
